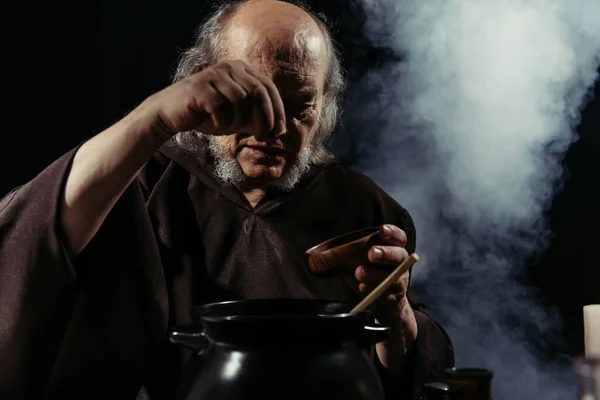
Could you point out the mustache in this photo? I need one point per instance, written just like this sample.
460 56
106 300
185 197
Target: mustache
275 144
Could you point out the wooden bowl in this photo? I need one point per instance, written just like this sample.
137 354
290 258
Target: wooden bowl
342 254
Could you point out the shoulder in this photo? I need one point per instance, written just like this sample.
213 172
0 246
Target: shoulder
349 181
344 182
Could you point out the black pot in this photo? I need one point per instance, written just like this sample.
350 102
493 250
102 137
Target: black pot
280 349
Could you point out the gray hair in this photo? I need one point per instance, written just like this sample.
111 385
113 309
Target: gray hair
208 48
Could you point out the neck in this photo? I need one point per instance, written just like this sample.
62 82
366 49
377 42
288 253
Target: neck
253 195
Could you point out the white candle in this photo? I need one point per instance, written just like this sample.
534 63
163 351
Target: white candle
591 329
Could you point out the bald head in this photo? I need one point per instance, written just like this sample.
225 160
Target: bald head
277 37
272 16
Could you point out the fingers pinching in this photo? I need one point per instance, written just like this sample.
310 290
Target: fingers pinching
276 120
240 106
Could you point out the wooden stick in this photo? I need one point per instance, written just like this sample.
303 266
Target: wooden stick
386 283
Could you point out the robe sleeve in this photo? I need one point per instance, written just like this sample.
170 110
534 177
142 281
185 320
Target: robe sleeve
74 326
37 281
431 354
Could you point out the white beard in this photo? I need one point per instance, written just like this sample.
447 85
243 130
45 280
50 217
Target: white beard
229 171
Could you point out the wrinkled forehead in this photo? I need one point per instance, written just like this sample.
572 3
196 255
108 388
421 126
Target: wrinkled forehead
293 58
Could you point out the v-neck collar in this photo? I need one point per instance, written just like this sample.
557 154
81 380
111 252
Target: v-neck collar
196 164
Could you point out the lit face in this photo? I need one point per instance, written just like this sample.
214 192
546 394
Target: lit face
295 60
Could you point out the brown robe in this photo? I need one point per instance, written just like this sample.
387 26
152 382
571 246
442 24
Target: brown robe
96 326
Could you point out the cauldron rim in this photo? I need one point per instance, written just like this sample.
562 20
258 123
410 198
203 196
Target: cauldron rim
210 311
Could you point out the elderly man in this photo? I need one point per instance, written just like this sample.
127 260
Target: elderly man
113 243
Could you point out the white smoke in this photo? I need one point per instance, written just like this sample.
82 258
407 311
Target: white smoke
473 125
